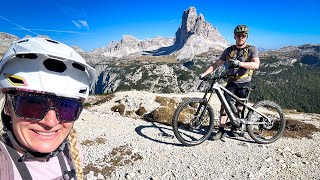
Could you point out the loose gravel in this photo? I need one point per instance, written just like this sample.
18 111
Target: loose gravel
117 147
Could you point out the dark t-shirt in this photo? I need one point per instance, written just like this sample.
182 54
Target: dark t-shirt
238 54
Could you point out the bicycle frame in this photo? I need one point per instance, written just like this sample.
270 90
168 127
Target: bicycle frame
219 90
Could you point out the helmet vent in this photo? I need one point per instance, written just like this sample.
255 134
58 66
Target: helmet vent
78 66
83 91
52 41
54 65
27 56
25 40
16 81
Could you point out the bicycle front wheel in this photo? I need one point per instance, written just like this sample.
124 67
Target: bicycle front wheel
193 121
270 129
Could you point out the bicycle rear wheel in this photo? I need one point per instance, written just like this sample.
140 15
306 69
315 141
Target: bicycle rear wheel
193 122
268 131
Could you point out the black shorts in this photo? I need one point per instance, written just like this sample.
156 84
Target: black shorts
237 89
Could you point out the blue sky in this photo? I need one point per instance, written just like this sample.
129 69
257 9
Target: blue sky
93 24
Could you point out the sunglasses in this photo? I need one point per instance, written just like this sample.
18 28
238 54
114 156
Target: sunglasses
241 35
36 106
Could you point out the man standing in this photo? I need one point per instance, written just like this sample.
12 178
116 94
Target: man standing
241 59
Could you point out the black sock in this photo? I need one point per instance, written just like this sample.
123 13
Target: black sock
221 129
233 128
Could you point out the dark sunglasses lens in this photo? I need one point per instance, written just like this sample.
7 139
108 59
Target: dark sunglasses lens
32 107
35 107
68 109
241 35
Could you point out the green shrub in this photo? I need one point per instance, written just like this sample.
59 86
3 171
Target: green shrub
165 101
163 115
141 111
118 108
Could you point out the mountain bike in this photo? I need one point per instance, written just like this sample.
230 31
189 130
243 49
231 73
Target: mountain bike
193 120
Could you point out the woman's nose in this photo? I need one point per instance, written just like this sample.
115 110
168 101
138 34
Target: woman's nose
50 119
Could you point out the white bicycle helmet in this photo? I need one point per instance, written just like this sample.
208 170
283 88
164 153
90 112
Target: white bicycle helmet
45 65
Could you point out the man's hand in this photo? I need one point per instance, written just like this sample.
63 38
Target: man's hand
201 76
234 63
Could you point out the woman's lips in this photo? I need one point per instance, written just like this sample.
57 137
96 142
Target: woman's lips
45 133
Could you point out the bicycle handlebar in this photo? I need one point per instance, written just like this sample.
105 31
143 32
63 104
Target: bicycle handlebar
220 77
210 79
214 78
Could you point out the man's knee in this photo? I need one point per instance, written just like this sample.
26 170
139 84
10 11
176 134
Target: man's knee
239 107
222 112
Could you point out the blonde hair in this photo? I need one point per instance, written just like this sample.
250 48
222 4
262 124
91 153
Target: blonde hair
74 152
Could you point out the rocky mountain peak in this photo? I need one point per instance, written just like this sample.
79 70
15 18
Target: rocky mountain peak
130 46
129 39
193 24
78 49
196 36
5 41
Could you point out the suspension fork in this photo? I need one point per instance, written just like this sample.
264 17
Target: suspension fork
204 102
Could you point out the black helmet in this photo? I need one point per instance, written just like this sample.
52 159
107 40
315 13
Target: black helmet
241 29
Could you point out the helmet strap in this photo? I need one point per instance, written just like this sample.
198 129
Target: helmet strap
31 154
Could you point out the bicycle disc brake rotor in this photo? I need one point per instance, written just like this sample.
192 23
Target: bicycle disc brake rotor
268 123
195 123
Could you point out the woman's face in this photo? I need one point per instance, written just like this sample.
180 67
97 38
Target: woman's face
42 136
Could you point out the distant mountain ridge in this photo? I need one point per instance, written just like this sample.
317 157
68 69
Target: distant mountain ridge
193 37
307 54
5 41
130 45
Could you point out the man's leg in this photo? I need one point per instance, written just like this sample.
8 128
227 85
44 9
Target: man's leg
222 125
242 93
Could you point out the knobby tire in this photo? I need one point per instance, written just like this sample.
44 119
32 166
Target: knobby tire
266 133
186 125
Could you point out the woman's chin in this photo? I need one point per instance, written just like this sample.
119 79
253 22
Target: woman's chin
44 148
45 143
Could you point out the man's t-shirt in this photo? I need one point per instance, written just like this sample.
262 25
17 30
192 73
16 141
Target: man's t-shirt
238 54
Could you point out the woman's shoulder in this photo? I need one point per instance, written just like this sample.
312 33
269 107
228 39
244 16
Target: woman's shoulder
6 169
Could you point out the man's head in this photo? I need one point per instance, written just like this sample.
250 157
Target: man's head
241 34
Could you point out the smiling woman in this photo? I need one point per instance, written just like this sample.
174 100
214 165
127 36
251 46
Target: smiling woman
44 84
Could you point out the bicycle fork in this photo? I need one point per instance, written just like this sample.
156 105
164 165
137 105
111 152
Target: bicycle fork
197 119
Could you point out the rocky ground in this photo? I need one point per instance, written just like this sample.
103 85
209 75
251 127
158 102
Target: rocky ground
126 147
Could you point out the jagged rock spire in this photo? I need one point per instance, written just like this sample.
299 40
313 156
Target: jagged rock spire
196 36
196 24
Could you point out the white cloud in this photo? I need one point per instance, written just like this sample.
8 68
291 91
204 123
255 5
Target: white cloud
84 24
80 23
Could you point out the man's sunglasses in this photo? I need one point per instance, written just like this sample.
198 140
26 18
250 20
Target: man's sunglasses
241 35
36 106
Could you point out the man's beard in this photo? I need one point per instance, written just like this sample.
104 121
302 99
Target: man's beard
241 44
